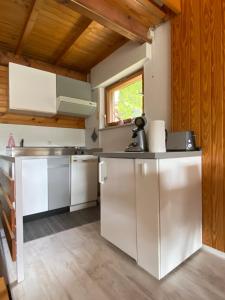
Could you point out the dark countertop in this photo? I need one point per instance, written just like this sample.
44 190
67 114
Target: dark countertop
148 155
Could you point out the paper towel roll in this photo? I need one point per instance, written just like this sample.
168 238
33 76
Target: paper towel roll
157 136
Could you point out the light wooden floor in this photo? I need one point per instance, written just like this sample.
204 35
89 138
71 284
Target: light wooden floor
78 264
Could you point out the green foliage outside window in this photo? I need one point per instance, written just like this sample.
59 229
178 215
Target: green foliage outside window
129 103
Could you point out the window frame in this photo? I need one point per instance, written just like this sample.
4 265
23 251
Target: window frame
108 97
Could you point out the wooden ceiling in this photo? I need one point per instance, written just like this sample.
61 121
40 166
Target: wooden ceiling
77 34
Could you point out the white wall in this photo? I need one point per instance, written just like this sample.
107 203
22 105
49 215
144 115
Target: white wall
125 60
92 123
41 136
157 77
156 61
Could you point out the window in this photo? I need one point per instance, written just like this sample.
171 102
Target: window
124 100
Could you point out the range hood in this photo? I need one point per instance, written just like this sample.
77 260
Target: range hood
75 107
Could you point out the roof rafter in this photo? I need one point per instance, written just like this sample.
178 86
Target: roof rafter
29 24
73 35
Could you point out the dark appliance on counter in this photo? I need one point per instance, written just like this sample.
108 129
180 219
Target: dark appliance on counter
180 141
139 143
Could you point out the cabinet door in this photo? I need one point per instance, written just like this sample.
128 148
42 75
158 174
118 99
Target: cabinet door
72 88
31 90
58 183
118 208
34 186
147 205
180 210
84 182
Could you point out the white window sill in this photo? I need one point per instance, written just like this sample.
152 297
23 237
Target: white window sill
115 127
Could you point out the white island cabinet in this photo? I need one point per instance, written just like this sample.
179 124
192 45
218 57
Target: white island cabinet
166 218
31 90
118 215
169 218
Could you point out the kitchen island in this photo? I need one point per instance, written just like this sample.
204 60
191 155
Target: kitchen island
151 206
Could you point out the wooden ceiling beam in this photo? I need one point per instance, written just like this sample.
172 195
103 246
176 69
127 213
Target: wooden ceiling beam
111 16
6 57
73 35
29 24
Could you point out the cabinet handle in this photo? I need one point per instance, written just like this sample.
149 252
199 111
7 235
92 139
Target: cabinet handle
102 172
144 169
85 160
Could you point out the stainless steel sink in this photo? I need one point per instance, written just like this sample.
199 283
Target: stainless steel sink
40 151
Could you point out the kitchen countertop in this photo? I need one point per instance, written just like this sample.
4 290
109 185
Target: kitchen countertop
43 152
12 158
148 155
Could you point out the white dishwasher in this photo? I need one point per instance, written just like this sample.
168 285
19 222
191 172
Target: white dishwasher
84 181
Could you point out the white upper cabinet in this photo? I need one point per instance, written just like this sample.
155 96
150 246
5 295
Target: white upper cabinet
31 90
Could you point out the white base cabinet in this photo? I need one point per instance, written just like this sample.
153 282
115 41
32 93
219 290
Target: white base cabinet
147 211
118 207
84 180
154 206
169 212
34 186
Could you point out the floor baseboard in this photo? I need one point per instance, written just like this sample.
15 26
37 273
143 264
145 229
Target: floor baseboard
214 251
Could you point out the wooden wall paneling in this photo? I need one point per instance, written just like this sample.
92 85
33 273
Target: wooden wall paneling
217 125
195 100
206 108
202 96
55 121
223 47
6 57
3 89
176 72
185 66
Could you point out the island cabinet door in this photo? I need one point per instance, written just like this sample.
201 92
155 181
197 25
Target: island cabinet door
147 206
118 208
180 210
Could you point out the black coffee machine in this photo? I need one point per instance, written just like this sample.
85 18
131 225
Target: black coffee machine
139 143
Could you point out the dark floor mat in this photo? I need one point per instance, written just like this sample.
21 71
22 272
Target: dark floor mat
52 224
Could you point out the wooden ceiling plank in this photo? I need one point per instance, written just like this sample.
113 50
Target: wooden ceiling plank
73 35
152 9
6 57
174 5
32 17
110 16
